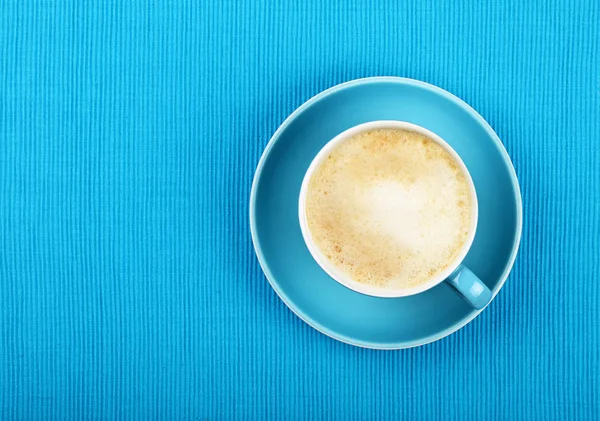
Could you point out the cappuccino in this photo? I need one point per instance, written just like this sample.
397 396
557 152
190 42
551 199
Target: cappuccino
390 208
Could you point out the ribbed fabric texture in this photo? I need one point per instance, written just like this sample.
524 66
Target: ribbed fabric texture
129 135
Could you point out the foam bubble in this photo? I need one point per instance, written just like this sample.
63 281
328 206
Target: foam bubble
390 208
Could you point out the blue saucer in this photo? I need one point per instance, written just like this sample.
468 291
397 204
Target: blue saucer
385 323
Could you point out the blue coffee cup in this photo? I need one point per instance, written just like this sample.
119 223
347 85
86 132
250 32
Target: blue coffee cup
456 274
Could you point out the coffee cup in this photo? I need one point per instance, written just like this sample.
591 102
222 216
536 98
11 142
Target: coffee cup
381 203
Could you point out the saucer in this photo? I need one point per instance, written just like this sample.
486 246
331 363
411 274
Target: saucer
345 315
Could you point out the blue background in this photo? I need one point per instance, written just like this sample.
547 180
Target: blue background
129 134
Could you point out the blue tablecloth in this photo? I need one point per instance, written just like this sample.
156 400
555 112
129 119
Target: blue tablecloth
129 134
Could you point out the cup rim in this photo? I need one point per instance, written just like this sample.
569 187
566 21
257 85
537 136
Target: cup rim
334 272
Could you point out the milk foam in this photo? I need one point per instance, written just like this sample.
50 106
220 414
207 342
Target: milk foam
390 208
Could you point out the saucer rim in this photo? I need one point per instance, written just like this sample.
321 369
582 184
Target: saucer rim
263 260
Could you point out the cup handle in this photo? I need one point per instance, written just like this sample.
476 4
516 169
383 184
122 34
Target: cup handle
470 287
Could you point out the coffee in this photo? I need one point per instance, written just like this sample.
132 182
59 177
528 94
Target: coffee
390 208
